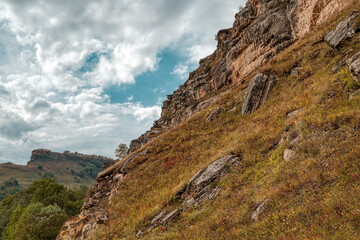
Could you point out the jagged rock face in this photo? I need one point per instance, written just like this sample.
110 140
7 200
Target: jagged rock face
93 212
260 31
306 14
257 92
344 30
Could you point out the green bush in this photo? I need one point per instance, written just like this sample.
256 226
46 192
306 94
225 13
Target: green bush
44 201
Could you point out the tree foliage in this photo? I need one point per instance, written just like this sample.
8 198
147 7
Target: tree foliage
39 211
121 150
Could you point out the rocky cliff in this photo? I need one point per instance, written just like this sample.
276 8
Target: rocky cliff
261 32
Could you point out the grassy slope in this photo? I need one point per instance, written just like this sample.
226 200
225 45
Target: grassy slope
27 174
314 196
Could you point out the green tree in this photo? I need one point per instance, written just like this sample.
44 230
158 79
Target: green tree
121 151
10 228
39 223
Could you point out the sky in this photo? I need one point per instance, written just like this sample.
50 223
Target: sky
87 75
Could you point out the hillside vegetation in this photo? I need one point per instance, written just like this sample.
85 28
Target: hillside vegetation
314 195
70 169
38 211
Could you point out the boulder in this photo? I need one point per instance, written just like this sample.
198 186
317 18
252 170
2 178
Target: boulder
354 66
125 166
288 154
170 217
344 30
293 113
296 71
200 185
257 92
214 114
158 217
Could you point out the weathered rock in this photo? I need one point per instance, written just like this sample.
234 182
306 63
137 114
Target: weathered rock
158 218
257 92
119 177
200 184
354 66
125 166
288 154
342 61
214 114
296 71
354 95
293 113
344 30
255 214
139 233
170 217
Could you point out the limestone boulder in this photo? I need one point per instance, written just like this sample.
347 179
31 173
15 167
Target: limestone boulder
257 92
345 29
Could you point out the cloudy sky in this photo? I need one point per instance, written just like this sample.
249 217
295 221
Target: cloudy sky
86 75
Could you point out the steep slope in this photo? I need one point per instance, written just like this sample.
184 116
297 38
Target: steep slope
284 168
70 169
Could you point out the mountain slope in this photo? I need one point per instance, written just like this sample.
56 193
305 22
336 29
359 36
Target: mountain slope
70 169
296 171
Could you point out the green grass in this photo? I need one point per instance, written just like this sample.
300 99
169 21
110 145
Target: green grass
313 196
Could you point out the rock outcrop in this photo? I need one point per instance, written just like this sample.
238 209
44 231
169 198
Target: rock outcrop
344 30
257 93
93 212
201 187
354 66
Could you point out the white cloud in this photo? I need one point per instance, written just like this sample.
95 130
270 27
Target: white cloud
57 57
181 70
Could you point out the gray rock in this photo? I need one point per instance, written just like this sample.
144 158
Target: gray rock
139 233
342 61
118 177
157 219
296 71
288 154
170 217
199 185
125 166
354 66
354 95
257 92
344 30
214 114
255 214
293 113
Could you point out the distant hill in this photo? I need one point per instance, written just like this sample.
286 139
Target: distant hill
69 169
